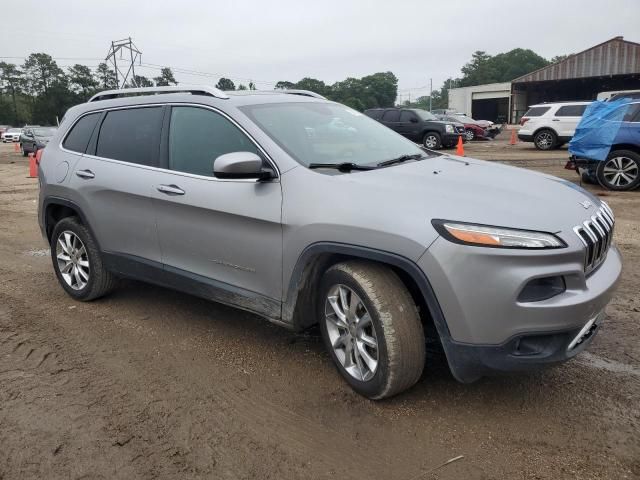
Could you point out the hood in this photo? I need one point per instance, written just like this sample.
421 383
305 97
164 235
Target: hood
469 190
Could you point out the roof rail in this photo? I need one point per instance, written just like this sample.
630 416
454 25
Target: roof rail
193 90
304 93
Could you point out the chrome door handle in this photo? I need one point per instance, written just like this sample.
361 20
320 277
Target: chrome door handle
85 174
170 189
555 119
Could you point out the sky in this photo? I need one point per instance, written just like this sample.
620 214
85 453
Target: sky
268 41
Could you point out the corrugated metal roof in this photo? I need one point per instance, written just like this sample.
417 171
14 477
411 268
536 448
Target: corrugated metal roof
613 57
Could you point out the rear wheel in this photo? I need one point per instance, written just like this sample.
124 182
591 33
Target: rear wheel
371 328
545 140
620 170
432 141
77 261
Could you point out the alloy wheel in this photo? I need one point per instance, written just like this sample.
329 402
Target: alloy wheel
469 134
73 260
351 332
431 142
620 171
544 140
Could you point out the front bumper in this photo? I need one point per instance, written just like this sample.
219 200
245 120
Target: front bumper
450 139
489 328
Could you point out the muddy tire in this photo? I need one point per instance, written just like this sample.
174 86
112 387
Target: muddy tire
77 261
371 328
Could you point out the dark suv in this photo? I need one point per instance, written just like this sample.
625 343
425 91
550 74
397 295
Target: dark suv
420 126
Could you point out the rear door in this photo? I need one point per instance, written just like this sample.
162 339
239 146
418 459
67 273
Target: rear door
225 230
391 118
113 182
566 119
409 125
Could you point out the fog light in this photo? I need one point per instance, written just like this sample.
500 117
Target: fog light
540 289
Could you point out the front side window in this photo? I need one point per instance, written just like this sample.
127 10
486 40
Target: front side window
316 132
78 138
131 135
197 136
406 116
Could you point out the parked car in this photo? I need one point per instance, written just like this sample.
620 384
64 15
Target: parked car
551 125
445 111
11 135
607 149
35 138
473 131
491 128
3 128
616 94
377 240
419 126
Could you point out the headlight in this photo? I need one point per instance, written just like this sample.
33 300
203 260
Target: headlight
496 237
449 128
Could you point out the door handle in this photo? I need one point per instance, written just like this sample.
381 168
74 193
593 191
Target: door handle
85 174
555 119
170 189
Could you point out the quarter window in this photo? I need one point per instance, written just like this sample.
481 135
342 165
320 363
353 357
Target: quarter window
571 111
391 116
78 138
131 135
197 136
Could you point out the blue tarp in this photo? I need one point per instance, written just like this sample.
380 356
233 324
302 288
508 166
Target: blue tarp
598 129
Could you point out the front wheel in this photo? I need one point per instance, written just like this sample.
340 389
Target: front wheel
371 328
620 170
432 141
470 134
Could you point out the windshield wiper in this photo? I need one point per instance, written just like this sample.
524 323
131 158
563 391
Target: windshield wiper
400 159
343 167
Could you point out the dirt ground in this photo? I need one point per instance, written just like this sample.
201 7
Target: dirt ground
149 383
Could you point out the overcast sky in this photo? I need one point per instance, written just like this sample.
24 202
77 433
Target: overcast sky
267 41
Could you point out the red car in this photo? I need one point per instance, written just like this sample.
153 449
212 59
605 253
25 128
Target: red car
473 131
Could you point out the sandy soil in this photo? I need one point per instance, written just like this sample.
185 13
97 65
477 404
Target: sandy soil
149 383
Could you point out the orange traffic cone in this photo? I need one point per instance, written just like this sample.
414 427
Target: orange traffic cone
33 167
460 147
16 147
514 138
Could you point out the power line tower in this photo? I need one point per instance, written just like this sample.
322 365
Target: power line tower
125 48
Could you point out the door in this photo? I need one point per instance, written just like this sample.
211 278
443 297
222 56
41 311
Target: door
225 230
114 181
391 118
409 125
567 118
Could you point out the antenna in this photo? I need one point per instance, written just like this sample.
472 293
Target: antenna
122 46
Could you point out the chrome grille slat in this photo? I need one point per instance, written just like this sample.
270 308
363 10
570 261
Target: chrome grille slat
596 234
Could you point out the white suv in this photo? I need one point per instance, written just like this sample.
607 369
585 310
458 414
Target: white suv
550 125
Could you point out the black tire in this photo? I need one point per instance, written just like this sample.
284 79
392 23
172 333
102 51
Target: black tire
470 134
626 158
432 141
395 321
100 281
545 140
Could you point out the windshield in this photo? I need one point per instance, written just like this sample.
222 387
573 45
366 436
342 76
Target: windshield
328 133
44 132
424 115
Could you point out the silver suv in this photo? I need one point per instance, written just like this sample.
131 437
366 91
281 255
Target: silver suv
306 212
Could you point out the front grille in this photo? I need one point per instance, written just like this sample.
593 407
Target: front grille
596 234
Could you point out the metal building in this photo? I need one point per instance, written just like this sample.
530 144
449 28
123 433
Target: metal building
611 65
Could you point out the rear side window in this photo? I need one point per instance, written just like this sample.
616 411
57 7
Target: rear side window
571 111
131 135
80 134
406 116
536 111
197 136
391 116
375 114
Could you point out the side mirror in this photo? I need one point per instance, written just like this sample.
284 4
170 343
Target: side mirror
414 120
240 165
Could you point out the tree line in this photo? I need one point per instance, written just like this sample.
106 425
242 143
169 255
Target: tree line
39 91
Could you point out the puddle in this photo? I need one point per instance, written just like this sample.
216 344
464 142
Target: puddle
594 361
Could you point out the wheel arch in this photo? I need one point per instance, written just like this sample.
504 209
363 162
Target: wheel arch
625 146
56 208
546 127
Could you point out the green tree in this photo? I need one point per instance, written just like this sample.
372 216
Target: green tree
252 86
558 58
225 84
82 81
284 85
142 81
41 72
10 81
242 87
504 67
106 77
312 84
166 78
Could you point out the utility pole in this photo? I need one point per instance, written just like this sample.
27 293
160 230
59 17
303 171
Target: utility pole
121 46
430 92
